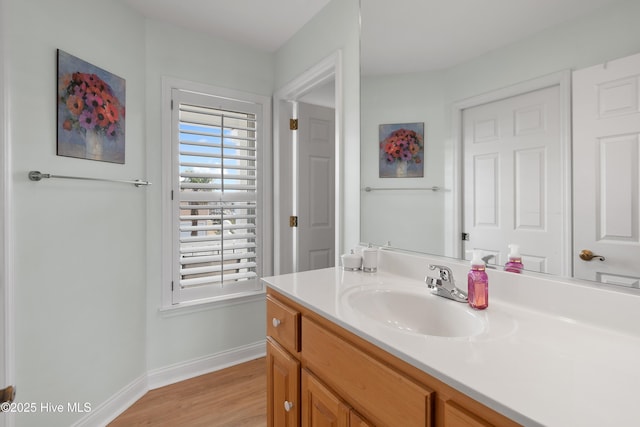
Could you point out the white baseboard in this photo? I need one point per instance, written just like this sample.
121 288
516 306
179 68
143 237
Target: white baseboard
127 396
204 365
106 412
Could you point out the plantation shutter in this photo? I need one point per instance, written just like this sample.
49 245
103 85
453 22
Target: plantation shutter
215 196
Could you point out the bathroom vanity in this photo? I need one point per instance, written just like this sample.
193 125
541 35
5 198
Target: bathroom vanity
378 349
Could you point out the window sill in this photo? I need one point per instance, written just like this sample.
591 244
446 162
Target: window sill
212 303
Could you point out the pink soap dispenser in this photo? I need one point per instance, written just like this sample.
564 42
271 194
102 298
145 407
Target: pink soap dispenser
478 283
514 264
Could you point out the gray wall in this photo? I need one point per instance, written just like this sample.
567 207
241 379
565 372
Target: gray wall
88 255
335 27
188 335
80 274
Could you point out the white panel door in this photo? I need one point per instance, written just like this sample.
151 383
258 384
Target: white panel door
512 179
606 135
316 187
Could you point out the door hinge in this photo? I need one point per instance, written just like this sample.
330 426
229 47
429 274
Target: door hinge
171 194
293 124
293 221
172 104
465 236
172 286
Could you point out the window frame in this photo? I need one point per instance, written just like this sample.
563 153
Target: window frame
264 196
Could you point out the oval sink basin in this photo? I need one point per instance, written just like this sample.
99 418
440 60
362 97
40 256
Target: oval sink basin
416 312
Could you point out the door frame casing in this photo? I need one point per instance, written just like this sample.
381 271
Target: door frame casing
453 199
283 176
7 359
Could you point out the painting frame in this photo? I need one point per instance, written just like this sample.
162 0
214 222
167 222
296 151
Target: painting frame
90 111
401 148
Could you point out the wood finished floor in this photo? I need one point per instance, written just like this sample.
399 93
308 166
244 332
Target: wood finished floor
235 396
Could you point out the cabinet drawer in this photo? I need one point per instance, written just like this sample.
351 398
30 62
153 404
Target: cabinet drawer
283 324
383 395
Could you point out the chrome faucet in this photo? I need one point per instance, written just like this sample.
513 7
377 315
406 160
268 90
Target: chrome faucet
444 285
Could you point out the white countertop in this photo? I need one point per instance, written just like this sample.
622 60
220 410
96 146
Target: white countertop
536 368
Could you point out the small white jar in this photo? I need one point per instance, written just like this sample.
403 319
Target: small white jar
370 259
351 262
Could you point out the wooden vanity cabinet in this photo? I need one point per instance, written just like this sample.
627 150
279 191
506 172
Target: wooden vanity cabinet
382 394
456 416
283 365
321 375
320 406
283 324
356 421
283 385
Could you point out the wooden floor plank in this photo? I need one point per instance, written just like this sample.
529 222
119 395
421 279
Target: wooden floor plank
231 397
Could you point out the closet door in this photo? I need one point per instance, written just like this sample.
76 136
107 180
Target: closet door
606 135
512 179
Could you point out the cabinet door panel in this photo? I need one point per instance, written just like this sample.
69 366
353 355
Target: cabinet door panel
356 420
383 395
320 407
456 416
283 385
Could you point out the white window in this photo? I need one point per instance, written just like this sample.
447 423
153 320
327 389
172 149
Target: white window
217 223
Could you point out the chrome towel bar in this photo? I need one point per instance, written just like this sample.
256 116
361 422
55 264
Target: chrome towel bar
434 188
38 176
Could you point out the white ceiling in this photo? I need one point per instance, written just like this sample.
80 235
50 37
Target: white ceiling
397 35
414 35
262 24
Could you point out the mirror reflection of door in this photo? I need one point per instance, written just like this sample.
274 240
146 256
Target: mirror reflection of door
606 135
315 242
512 179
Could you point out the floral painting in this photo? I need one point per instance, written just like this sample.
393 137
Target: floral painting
91 111
401 150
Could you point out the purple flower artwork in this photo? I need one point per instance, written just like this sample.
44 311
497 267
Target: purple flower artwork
91 111
401 150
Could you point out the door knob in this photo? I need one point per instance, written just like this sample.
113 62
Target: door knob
587 255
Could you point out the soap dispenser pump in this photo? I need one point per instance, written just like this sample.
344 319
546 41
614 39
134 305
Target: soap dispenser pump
478 283
514 264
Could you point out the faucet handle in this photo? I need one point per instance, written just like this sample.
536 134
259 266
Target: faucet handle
445 272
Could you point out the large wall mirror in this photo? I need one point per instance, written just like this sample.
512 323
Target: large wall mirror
481 126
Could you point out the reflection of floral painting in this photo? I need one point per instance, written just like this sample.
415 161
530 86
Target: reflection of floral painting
402 150
91 111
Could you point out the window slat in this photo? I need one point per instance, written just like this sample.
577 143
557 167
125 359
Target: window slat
217 268
185 283
232 176
215 217
218 155
213 119
218 186
206 165
210 178
217 238
216 258
220 227
217 144
214 248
